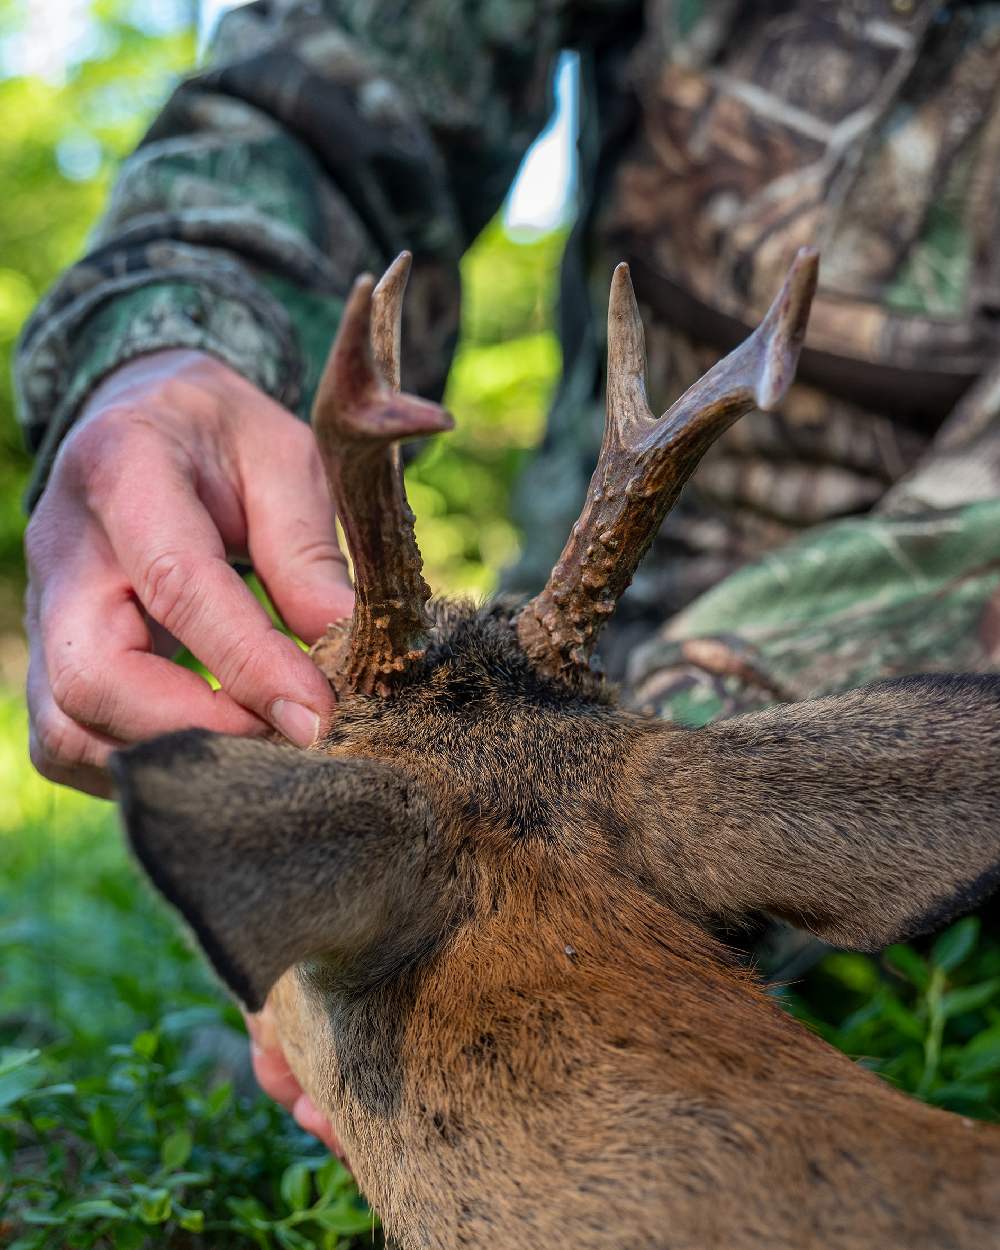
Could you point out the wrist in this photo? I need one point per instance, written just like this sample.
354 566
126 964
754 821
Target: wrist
158 372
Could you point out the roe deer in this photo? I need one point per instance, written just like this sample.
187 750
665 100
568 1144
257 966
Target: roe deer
482 909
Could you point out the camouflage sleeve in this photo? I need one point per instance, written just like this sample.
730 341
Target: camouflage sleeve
913 587
322 137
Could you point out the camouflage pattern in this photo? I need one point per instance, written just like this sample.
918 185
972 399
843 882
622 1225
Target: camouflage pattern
854 602
321 139
852 535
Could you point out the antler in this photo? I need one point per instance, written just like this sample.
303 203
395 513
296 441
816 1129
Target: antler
359 417
644 462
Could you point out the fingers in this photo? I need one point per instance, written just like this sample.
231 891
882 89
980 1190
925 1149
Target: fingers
61 750
270 1068
172 554
292 535
274 1076
277 1080
310 1118
91 649
98 660
127 552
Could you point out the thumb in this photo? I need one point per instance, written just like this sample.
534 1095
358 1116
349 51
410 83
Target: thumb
291 535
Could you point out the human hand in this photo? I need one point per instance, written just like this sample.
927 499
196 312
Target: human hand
176 464
276 1079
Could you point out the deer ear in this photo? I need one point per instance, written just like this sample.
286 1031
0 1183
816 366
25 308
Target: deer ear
271 854
867 818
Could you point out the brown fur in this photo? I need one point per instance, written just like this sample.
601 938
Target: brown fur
492 895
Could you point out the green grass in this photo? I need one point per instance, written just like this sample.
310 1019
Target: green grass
127 1113
926 1017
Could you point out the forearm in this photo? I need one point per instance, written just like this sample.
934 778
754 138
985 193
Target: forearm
208 242
314 146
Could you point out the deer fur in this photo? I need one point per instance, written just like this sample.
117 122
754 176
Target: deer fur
483 913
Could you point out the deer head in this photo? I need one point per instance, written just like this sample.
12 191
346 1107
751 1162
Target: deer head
490 878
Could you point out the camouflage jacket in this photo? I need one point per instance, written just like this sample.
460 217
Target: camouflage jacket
856 533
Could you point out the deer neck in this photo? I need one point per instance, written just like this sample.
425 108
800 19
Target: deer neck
572 1050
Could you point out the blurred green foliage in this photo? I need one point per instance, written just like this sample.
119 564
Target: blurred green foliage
925 1017
127 1117
127 1114
58 145
506 367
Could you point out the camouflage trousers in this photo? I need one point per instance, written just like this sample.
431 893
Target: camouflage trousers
852 603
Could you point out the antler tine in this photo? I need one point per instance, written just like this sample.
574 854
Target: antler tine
644 462
358 419
387 318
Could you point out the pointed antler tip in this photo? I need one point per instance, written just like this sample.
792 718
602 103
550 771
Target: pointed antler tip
359 300
409 417
356 319
784 328
621 285
626 349
348 369
397 273
622 306
387 318
803 272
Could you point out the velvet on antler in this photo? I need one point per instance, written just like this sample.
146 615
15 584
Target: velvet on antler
644 462
359 418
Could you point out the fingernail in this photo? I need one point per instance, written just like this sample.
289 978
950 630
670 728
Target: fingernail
299 724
